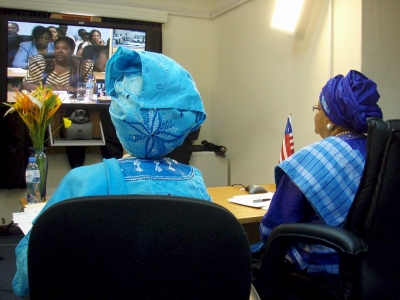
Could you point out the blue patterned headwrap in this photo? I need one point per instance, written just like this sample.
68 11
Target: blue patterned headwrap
348 101
154 102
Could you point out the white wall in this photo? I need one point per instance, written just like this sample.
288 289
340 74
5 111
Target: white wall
346 40
261 75
188 42
366 38
380 51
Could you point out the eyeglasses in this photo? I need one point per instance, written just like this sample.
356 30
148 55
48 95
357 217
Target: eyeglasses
315 108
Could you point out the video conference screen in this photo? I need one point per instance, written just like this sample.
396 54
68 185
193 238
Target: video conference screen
21 44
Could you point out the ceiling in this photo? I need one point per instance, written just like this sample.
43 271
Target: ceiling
208 9
146 10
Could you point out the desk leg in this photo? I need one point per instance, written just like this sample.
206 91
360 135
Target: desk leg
95 118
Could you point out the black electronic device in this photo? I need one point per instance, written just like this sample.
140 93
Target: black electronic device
255 189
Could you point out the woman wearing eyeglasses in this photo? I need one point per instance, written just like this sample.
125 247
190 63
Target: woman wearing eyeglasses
318 183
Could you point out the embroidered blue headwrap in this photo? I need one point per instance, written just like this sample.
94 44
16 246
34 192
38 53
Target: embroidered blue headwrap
154 102
348 101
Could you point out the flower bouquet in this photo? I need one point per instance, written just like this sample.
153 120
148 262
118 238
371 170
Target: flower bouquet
36 110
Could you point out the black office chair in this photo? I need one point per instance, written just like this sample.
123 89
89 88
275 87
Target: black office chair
183 152
92 51
138 247
368 243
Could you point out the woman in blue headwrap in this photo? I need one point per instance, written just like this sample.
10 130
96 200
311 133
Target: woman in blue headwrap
155 105
318 183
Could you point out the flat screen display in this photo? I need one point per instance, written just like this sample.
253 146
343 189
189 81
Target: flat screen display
19 43
132 39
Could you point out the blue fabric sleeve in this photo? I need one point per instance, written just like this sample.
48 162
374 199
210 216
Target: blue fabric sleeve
115 178
20 282
21 58
288 205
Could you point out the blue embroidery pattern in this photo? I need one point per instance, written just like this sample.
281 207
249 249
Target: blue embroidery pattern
154 130
157 169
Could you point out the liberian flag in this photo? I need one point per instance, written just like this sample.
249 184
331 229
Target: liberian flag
287 142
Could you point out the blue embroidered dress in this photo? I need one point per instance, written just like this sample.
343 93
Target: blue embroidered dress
124 176
316 185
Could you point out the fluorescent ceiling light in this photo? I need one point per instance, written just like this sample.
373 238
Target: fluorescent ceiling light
286 15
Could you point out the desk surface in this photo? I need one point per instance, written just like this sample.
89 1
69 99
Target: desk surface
220 195
21 73
72 102
16 73
244 214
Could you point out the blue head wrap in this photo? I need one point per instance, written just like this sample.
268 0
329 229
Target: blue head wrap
154 102
348 101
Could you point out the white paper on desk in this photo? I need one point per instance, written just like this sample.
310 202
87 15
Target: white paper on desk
25 227
25 219
266 207
35 208
252 200
63 95
17 70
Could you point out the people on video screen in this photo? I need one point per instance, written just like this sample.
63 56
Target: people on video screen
40 44
12 28
54 33
63 72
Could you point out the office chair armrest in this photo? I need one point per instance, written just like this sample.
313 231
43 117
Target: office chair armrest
340 239
272 270
346 243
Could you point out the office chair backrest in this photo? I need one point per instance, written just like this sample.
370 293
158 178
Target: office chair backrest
92 51
379 132
138 247
380 268
183 152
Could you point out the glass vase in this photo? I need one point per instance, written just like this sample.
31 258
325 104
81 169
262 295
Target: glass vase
41 160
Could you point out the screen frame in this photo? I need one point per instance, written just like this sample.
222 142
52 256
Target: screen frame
153 36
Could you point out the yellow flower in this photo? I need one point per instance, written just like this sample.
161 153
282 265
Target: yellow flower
67 122
36 110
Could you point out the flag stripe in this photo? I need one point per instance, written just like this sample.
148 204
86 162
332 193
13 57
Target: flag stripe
287 148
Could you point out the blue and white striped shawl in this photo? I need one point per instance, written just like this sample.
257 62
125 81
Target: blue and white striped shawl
328 173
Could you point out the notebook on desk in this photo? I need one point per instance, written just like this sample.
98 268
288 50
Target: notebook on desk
256 200
24 219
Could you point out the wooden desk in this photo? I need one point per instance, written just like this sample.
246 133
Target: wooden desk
244 214
21 73
23 202
16 73
219 195
99 76
249 217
